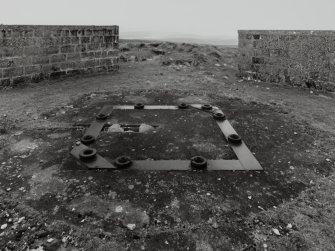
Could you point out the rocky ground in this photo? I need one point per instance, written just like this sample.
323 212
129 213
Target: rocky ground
50 201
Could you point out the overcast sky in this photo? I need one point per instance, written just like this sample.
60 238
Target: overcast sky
200 17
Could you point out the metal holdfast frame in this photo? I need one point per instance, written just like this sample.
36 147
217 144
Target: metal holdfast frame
92 160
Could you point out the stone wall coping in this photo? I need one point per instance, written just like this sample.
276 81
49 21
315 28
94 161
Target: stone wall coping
289 32
54 27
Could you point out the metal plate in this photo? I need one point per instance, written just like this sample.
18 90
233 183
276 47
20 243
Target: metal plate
146 107
97 125
184 165
242 152
157 165
246 160
159 107
98 163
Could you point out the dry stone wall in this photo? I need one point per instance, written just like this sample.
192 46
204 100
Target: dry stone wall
301 58
31 53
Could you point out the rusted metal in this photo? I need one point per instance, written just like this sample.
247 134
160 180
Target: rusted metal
206 107
96 126
159 165
173 165
87 139
123 162
164 107
101 116
246 160
97 163
219 116
88 154
244 155
234 139
146 107
139 106
198 162
183 106
95 129
184 165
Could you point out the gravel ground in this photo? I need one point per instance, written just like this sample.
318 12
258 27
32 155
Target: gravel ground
51 202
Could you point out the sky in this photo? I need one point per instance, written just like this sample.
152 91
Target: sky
198 17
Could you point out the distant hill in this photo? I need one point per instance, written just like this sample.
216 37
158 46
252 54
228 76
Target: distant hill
180 38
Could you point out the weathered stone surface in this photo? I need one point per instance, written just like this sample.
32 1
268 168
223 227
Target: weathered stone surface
301 58
31 53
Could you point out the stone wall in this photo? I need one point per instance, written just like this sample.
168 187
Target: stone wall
31 53
301 58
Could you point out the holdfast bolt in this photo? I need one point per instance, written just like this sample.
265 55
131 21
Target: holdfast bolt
198 162
139 106
88 154
87 139
101 116
183 106
235 139
123 162
219 116
206 107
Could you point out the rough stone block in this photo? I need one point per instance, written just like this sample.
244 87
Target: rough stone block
68 65
97 54
5 63
21 80
85 40
101 68
65 33
73 56
12 52
67 49
109 39
112 68
80 33
93 47
64 40
73 71
293 57
97 39
32 50
37 77
12 72
81 48
33 53
4 82
87 55
75 40
40 60
88 32
4 42
90 63
27 33
29 69
57 58
39 32
98 32
52 50
112 53
57 74
74 32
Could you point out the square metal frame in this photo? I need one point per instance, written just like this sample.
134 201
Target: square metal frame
246 160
